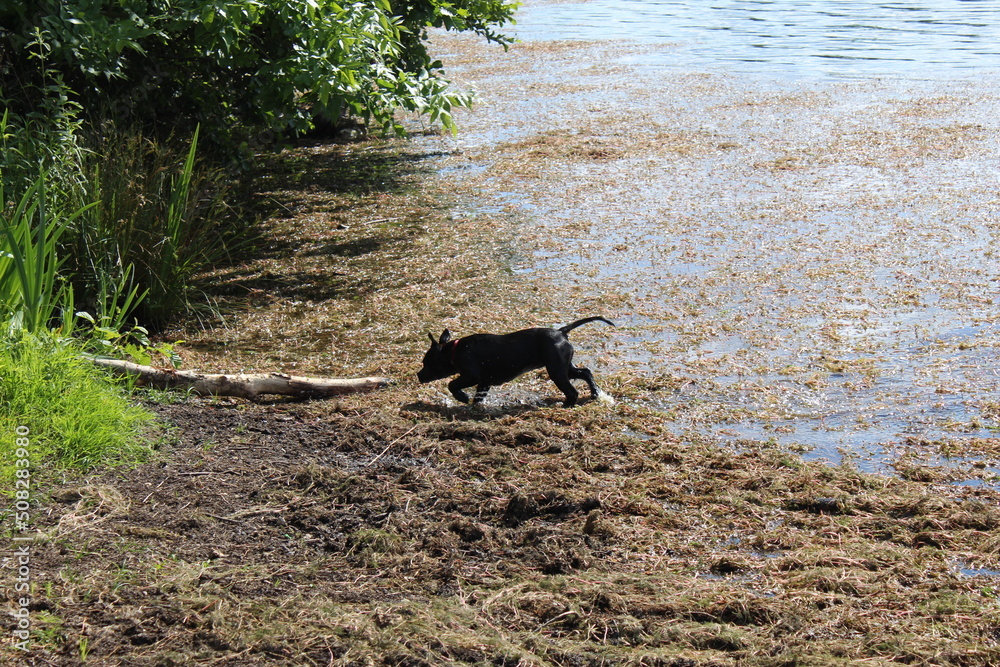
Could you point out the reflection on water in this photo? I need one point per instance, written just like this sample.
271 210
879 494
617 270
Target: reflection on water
842 38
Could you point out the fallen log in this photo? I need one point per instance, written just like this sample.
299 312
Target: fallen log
241 385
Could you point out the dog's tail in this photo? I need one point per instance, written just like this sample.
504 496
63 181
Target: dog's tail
579 323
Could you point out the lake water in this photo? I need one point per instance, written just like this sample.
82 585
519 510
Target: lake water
792 208
839 38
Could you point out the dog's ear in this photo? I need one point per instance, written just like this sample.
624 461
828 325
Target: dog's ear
431 336
445 337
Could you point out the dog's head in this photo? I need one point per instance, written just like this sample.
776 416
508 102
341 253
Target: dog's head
439 360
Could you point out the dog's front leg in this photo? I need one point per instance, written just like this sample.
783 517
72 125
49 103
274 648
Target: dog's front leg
457 385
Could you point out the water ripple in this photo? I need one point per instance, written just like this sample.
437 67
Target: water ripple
842 39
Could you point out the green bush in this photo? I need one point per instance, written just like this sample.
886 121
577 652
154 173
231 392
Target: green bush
76 416
237 66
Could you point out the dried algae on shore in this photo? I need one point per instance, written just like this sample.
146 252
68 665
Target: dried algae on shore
816 257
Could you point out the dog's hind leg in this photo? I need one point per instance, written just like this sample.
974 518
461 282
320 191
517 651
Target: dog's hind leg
561 377
481 392
585 375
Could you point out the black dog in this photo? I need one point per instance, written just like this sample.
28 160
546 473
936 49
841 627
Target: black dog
487 360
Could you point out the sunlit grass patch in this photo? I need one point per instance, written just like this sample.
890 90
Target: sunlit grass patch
70 412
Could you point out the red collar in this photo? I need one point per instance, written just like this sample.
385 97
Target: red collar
454 346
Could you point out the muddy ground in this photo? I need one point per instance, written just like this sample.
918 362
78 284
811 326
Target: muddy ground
398 528
370 532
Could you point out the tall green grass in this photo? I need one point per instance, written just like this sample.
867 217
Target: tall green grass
76 416
118 230
47 139
104 221
160 219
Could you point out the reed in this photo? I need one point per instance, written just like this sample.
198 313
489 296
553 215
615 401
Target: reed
32 293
